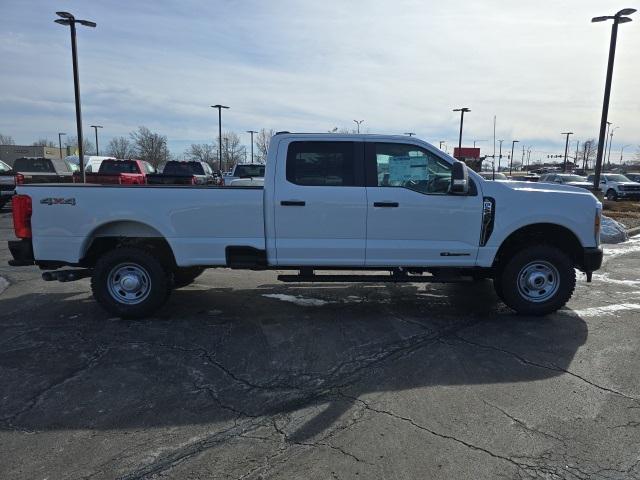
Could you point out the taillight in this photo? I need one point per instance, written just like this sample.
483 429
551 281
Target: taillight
19 179
21 206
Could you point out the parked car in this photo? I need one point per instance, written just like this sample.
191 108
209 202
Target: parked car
566 179
633 176
616 186
7 183
245 170
184 173
42 170
524 177
91 162
119 172
322 206
498 176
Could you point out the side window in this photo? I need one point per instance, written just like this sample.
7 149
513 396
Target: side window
409 166
328 164
207 169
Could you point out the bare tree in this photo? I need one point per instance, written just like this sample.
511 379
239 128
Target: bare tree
232 152
202 152
6 140
43 142
588 153
150 146
72 143
120 147
262 144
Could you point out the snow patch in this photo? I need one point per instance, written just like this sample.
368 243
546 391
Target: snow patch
633 245
302 301
4 284
604 277
606 310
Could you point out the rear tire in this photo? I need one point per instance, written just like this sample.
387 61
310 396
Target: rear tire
130 283
183 276
537 280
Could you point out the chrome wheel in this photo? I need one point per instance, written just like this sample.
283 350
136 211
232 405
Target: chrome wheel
128 283
538 281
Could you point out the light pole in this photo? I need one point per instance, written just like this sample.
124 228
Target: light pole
67 19
411 134
462 111
566 150
617 19
513 144
610 142
219 107
95 128
441 142
358 122
500 155
606 136
474 142
251 132
622 150
60 142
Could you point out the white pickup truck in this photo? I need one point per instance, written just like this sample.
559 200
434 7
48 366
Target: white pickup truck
389 204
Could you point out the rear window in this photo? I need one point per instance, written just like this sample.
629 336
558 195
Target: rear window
328 164
249 171
183 168
40 165
111 167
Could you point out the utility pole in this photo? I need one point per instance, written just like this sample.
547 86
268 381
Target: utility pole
219 107
513 144
96 127
251 132
462 112
610 142
566 150
60 143
500 155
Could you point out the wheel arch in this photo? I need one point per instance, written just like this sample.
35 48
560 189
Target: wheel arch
540 233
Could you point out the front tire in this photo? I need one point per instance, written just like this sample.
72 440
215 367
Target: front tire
130 283
612 195
537 280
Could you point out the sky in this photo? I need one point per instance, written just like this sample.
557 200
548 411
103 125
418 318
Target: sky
310 66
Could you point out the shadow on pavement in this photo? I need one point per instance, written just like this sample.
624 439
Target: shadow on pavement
218 354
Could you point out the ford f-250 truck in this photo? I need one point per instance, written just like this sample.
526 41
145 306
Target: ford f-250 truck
329 202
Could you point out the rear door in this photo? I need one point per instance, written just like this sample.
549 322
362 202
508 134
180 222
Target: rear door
320 204
412 218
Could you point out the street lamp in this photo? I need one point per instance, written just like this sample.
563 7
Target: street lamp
95 128
358 122
566 150
462 111
513 144
441 142
617 19
622 150
251 132
411 134
219 107
610 142
60 142
67 19
499 156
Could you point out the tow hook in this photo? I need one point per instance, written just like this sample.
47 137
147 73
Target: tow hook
66 275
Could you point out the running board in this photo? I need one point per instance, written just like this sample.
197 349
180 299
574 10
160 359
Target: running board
371 279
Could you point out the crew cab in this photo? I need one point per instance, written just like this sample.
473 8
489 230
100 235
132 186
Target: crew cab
177 172
119 172
245 170
390 204
42 170
7 183
616 186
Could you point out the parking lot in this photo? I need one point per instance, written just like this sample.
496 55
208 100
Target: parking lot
242 376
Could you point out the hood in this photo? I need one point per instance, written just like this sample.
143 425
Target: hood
542 187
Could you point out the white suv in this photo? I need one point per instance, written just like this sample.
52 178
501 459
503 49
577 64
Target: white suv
616 186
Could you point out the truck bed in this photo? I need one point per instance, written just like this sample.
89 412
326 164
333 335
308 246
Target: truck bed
198 222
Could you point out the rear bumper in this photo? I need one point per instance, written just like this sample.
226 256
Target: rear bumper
22 253
591 259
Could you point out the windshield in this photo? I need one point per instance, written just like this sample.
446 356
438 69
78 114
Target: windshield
111 167
183 168
616 178
41 165
249 171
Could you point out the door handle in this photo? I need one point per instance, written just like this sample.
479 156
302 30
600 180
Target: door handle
386 204
292 203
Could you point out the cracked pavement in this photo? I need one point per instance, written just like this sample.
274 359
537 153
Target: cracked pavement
365 381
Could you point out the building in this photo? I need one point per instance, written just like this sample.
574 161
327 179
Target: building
9 153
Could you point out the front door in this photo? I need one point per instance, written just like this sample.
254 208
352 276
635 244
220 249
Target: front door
320 205
412 219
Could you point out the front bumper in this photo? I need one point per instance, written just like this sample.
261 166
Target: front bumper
632 195
22 252
591 259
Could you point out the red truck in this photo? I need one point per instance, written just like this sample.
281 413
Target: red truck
120 172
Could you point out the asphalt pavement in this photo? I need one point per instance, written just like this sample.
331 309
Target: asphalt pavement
243 377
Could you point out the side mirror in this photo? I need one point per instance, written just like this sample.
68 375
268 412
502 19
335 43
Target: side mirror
459 179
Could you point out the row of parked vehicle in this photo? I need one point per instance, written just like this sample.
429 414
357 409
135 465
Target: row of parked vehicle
111 171
615 186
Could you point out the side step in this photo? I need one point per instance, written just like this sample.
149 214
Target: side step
393 278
